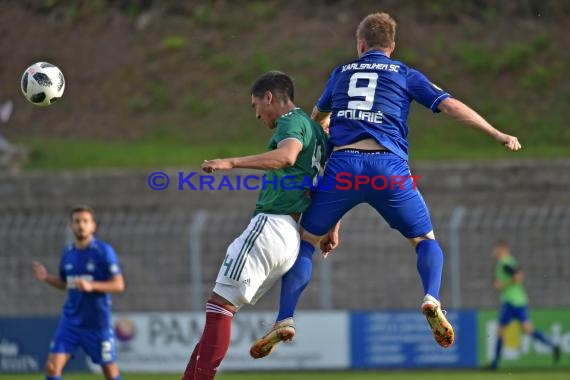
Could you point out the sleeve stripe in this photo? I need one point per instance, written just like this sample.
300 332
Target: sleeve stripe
289 138
439 97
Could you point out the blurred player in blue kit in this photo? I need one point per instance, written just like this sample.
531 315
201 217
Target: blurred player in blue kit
89 270
365 107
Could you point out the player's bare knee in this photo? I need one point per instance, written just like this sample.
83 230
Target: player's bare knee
528 328
417 240
218 299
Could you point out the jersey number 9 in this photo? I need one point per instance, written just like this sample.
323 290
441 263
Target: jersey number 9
367 92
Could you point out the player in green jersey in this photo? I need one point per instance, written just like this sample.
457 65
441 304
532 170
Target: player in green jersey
268 247
514 301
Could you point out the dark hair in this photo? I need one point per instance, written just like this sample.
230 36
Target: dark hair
378 30
276 82
82 208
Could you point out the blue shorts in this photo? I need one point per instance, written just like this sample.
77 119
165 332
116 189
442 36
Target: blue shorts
509 312
390 190
99 345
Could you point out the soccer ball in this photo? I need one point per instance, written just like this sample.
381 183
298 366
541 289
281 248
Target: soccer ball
42 84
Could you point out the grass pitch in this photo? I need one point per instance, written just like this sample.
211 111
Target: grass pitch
344 375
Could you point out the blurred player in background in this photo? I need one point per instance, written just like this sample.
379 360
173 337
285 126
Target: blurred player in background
514 301
268 247
367 102
89 270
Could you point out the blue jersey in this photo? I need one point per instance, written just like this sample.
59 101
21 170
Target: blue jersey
97 262
370 98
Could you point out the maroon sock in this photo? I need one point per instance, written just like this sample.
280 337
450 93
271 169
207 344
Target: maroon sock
214 343
191 366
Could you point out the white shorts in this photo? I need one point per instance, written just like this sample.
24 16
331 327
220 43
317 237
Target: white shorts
254 261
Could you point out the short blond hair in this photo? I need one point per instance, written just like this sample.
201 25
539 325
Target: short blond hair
377 30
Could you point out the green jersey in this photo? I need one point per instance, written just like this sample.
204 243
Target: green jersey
287 190
514 294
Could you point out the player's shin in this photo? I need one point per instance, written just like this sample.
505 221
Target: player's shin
191 366
543 339
214 343
498 351
430 266
294 282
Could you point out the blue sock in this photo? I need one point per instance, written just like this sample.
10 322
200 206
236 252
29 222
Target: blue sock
294 282
541 338
430 266
498 350
53 378
118 378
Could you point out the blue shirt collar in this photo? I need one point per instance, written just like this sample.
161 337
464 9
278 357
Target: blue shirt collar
374 52
92 244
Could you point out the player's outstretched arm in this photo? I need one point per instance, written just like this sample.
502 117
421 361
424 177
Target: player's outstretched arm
41 274
285 155
115 285
463 113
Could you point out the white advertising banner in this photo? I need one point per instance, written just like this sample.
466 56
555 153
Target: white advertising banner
163 342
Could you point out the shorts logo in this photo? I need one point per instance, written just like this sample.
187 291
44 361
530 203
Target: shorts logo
247 282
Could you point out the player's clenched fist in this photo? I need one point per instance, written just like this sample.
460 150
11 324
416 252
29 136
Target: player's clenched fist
40 272
330 241
510 142
210 166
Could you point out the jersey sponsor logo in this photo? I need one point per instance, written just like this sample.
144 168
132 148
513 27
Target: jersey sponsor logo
71 280
90 266
68 266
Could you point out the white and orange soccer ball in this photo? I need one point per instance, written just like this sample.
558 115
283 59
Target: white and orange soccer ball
42 83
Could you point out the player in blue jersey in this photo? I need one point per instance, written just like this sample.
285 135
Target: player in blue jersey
89 270
365 106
